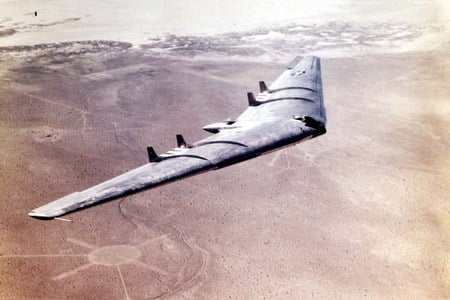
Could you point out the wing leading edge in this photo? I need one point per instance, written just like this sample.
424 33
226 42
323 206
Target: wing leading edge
289 111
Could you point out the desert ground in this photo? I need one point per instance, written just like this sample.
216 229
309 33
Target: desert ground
360 212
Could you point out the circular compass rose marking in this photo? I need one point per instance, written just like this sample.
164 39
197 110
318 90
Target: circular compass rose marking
185 262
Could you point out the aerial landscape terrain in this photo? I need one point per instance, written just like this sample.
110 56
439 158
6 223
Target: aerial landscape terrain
362 211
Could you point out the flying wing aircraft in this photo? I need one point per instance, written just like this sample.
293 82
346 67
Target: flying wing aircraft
290 110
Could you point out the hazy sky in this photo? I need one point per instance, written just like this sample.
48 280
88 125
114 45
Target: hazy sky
137 20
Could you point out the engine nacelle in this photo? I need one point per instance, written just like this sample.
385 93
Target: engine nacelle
216 127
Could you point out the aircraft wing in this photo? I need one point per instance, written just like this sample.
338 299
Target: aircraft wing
290 110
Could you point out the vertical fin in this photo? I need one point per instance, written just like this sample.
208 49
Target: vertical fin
263 87
152 156
252 100
181 142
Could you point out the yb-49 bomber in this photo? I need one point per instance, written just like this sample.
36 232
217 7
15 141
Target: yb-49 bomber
290 110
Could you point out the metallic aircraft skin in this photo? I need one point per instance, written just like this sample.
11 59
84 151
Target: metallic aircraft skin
290 110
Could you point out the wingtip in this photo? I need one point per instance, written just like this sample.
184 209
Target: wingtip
39 216
46 212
